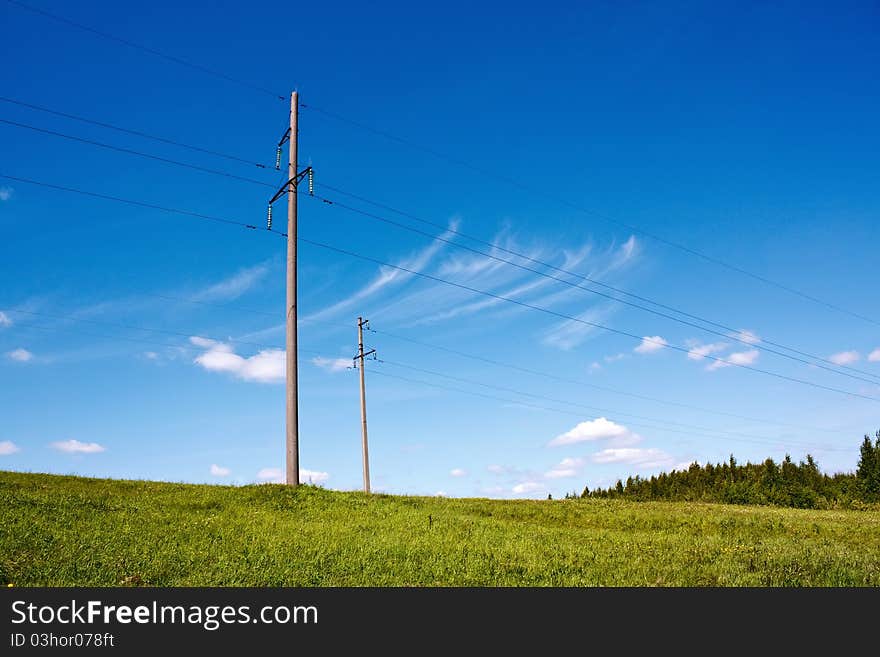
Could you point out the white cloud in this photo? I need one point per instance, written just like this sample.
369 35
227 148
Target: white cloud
151 355
614 358
527 487
332 364
76 447
874 356
276 476
267 366
844 357
234 286
8 447
457 472
4 320
736 358
650 344
747 336
681 467
598 429
440 493
595 366
567 467
273 475
640 457
19 355
219 470
496 469
699 351
313 476
5 193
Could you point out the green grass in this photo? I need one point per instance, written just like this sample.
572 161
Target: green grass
61 531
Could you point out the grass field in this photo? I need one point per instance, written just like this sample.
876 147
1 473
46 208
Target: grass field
74 531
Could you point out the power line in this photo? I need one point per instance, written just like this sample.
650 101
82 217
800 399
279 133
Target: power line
464 163
396 364
147 49
583 277
837 368
565 402
573 413
560 315
133 327
137 133
142 204
578 320
594 386
237 308
67 329
731 334
564 202
130 151
746 437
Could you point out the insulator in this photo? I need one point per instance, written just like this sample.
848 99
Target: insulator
278 159
311 182
269 219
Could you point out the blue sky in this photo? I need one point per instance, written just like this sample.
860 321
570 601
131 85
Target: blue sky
743 131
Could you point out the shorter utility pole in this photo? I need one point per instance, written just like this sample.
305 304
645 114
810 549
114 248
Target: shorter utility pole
359 361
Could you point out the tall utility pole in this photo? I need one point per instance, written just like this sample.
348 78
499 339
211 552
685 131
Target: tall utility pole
359 360
291 137
292 370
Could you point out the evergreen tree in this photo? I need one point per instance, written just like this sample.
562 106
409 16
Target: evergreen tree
868 472
801 484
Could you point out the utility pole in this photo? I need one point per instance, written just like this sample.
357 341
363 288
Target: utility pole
292 369
359 361
291 137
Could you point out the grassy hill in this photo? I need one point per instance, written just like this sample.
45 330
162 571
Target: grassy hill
75 531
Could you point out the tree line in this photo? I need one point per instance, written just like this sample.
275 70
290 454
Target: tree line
800 485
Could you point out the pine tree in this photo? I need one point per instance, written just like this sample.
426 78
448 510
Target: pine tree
868 472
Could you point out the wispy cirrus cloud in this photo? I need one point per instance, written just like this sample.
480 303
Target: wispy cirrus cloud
6 193
388 276
5 320
233 286
219 471
429 302
874 356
